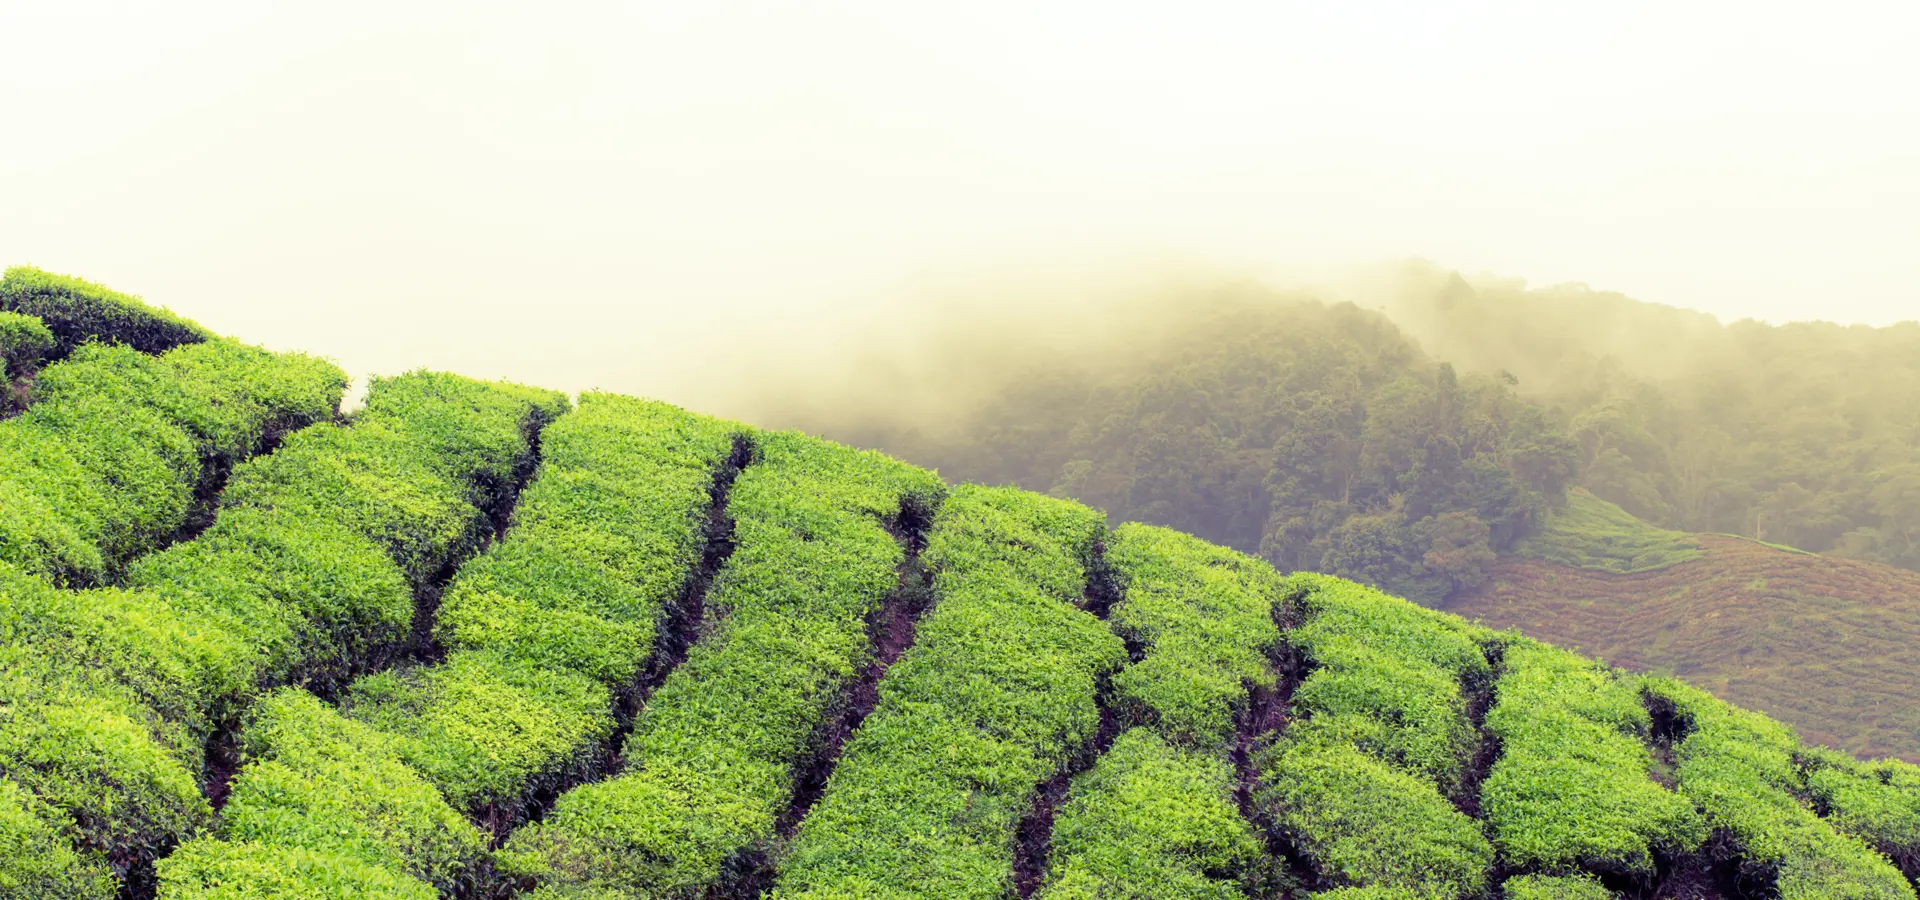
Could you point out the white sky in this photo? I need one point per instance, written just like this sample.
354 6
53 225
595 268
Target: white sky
584 194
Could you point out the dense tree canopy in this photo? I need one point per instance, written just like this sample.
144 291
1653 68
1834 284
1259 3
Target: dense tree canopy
1805 434
1327 437
1318 436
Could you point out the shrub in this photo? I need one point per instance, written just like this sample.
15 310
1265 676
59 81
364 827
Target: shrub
602 541
484 728
560 613
1878 802
77 311
1151 822
1204 617
1364 822
1591 533
328 789
24 342
36 860
112 694
1552 887
107 460
1394 668
1572 789
1739 767
996 695
219 870
1381 735
719 743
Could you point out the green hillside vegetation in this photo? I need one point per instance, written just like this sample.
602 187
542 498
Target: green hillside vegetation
1799 434
1318 437
78 311
476 640
1590 533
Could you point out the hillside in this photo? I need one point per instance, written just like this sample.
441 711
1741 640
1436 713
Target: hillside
1801 433
1831 646
480 640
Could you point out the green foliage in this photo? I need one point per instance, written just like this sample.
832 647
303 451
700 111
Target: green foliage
219 870
1572 788
601 541
1365 822
90 749
1591 533
996 695
484 728
111 694
1151 822
321 783
1556 887
1739 767
36 861
24 342
559 613
79 311
1204 616
718 744
1390 672
1360 780
1878 802
108 458
1800 434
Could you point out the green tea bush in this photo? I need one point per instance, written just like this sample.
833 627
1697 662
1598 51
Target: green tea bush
1739 767
602 541
1573 789
485 728
93 752
1359 781
79 311
108 458
1394 667
1556 887
24 342
115 691
335 793
220 870
997 694
1150 821
1364 822
713 757
1878 802
37 862
561 613
1156 817
1204 616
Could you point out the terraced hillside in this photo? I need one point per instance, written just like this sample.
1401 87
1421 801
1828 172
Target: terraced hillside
1831 646
478 641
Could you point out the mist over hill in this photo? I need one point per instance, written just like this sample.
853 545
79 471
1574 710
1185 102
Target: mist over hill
1237 410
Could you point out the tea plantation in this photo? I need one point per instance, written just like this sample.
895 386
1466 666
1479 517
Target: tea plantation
478 640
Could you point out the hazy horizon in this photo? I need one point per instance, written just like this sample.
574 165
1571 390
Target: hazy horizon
635 196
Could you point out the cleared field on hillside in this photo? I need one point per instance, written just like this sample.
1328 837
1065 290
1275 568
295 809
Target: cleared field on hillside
1830 646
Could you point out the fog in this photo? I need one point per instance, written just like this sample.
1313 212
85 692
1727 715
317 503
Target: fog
680 200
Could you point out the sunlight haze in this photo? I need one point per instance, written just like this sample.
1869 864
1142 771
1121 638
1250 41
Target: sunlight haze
633 196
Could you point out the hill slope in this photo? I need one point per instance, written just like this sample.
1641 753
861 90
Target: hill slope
476 640
1831 646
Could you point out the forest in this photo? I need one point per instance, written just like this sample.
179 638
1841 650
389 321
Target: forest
1407 444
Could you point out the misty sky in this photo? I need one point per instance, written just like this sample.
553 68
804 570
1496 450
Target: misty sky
627 195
